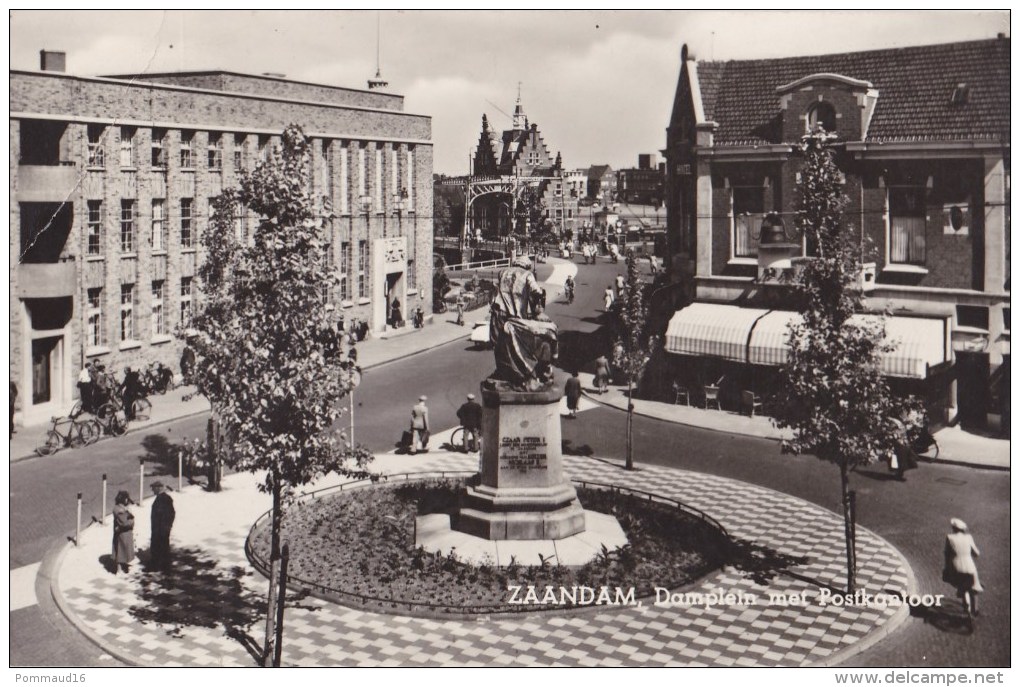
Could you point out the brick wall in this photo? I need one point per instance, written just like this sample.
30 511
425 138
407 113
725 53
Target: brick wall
106 100
276 87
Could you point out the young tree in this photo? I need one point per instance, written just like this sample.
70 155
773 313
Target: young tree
634 347
831 391
265 353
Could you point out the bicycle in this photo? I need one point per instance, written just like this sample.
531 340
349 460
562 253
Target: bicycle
77 434
925 445
457 440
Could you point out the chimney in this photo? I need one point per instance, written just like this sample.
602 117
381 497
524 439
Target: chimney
52 60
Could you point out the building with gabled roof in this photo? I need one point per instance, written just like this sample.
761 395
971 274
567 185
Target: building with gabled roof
922 135
519 153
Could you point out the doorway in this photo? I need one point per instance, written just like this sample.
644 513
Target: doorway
972 388
46 365
395 316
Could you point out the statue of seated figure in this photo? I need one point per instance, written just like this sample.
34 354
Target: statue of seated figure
523 336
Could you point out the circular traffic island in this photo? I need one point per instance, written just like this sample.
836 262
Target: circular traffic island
357 547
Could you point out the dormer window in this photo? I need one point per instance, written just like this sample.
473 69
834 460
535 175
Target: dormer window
961 94
821 114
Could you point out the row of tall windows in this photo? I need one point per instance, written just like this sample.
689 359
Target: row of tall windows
129 226
129 326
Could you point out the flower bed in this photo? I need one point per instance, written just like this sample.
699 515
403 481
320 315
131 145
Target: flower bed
357 547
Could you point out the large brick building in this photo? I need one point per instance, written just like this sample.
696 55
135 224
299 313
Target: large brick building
110 187
924 144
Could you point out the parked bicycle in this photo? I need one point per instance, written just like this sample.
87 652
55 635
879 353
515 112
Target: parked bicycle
458 443
157 378
68 432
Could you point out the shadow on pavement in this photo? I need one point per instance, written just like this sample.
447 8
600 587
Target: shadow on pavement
761 563
952 619
198 593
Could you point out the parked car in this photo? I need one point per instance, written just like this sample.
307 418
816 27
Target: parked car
480 335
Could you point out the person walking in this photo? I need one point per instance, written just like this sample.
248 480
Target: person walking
420 426
572 390
903 457
960 569
131 390
608 298
396 316
619 284
601 374
163 515
123 533
470 416
460 309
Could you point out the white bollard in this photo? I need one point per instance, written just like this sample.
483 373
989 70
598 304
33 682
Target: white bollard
141 480
77 525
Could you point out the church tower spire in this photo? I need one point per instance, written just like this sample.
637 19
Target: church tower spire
520 119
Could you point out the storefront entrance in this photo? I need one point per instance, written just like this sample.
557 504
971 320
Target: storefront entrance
972 373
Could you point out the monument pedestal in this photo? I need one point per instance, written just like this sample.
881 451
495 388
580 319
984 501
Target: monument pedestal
521 492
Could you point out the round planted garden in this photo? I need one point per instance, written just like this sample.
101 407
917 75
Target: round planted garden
357 547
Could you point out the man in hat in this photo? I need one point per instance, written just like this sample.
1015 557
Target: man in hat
470 416
419 426
163 515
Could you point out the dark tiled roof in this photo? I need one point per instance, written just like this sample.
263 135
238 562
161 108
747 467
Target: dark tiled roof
915 88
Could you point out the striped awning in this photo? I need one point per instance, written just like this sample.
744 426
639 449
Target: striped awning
761 337
718 331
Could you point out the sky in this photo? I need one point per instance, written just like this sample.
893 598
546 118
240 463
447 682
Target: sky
599 84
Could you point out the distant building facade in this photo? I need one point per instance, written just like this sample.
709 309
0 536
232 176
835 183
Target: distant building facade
111 180
521 154
927 172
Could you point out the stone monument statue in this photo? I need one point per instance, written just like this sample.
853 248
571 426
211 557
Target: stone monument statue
521 491
523 337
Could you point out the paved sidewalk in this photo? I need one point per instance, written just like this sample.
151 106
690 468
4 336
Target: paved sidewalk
375 351
956 445
209 611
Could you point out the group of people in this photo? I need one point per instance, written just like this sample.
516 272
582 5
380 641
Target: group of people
162 521
96 387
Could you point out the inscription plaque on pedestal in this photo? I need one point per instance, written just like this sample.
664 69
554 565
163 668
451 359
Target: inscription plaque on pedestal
521 491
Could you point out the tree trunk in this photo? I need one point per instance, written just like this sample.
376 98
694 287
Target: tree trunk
268 648
630 425
848 530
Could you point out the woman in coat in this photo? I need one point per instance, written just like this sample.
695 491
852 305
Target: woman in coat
601 374
960 569
123 533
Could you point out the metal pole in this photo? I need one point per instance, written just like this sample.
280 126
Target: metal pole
280 604
180 466
77 524
141 480
102 512
853 527
352 416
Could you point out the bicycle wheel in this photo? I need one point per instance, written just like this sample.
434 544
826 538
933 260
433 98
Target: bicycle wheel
116 424
457 440
142 408
53 443
76 409
78 434
95 431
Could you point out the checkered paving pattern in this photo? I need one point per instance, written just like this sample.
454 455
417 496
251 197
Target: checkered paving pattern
209 612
